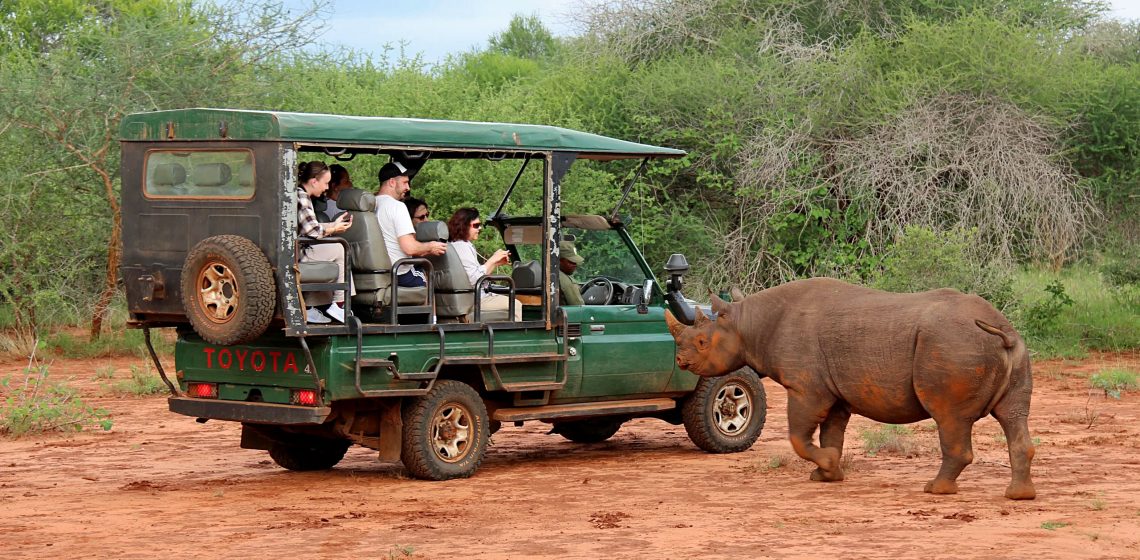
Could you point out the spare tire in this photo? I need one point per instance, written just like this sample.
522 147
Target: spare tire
228 290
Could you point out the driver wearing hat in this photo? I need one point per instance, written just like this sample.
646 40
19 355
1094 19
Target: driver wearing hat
568 261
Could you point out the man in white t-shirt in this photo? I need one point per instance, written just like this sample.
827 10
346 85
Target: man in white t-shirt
396 225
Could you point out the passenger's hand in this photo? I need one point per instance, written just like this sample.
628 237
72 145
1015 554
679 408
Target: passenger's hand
342 223
437 248
501 257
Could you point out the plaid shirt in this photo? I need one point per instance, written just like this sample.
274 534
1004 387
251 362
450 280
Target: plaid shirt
307 223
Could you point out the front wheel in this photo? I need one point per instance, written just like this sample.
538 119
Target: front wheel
445 432
308 455
726 414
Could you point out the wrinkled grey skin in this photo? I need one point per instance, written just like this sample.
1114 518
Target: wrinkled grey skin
841 349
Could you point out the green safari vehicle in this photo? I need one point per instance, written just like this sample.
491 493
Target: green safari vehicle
422 376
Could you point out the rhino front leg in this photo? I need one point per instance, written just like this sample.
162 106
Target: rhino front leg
957 451
831 434
804 416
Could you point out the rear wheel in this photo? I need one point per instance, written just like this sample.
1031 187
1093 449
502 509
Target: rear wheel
308 455
726 414
445 432
228 290
588 431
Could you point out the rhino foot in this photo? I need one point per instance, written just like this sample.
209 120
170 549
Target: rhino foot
820 475
941 486
1021 491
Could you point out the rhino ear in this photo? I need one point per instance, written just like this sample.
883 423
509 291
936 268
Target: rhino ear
721 307
701 319
737 295
675 327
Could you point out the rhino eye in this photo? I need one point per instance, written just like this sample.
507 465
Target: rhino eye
702 342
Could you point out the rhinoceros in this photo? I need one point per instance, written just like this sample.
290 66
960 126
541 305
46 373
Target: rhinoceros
841 349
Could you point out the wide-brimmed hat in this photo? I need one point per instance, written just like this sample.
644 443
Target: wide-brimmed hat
567 250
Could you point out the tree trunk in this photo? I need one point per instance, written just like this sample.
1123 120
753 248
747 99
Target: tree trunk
114 255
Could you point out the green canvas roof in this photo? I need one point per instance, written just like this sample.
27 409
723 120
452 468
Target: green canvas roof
229 124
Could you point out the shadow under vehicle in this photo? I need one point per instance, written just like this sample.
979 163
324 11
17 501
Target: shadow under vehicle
423 376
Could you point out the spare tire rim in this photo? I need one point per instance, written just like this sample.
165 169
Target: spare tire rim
218 292
451 432
732 409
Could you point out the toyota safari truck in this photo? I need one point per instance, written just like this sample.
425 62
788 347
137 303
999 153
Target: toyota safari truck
421 375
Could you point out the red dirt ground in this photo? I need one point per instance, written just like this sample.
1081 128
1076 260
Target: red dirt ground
162 485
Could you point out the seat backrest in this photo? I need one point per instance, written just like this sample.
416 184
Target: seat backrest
166 177
210 174
454 294
527 275
366 243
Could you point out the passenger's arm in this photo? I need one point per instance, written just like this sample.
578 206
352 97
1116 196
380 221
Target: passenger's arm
413 248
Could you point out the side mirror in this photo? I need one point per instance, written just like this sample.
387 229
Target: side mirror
676 267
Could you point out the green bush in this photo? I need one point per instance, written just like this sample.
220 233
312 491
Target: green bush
923 259
1114 382
1095 321
35 405
1041 318
141 383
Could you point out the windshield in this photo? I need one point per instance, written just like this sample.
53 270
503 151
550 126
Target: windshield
603 253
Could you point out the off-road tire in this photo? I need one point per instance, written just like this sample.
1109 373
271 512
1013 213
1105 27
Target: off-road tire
228 290
594 430
308 455
715 429
446 432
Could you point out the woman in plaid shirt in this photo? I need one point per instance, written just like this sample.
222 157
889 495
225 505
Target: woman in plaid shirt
312 181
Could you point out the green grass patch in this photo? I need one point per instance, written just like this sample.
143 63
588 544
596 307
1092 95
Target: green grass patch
1114 382
1054 525
123 342
1096 318
35 405
142 382
887 438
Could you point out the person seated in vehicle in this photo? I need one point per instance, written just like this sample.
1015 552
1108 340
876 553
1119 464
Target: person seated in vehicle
417 209
339 181
312 181
463 229
568 261
396 225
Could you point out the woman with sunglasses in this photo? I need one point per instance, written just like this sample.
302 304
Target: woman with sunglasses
463 229
417 209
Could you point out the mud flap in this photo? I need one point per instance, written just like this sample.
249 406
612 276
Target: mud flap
391 433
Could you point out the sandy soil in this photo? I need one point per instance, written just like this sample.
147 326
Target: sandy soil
162 485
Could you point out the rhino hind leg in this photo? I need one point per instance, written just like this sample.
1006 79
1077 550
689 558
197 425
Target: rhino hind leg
803 419
831 434
957 452
1021 451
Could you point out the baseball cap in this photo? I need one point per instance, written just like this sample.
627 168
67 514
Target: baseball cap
392 169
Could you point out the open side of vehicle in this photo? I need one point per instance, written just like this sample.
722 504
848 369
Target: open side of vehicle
421 375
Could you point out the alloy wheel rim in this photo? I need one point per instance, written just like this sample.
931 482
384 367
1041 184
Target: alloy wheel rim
451 433
732 409
218 292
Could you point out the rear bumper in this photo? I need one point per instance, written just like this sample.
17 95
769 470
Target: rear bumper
256 413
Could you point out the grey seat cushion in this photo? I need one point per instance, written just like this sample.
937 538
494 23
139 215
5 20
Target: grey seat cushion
318 271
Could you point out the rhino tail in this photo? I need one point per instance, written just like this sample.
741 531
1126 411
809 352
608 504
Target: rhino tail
1008 343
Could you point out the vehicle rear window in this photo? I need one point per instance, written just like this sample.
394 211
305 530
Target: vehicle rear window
199 174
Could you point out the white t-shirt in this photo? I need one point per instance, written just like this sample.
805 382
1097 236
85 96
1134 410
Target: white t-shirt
470 258
394 223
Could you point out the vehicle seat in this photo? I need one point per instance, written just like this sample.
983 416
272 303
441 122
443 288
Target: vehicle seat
167 177
527 277
371 266
210 175
454 294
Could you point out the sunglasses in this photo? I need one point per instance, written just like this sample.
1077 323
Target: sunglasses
423 216
477 225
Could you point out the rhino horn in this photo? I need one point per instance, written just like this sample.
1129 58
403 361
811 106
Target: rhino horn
721 307
737 295
675 327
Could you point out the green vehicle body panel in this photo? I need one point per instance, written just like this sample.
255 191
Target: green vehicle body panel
229 124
